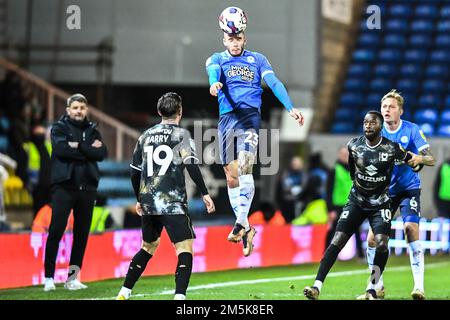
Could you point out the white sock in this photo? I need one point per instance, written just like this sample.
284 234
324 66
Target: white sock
417 263
370 258
246 193
318 285
235 202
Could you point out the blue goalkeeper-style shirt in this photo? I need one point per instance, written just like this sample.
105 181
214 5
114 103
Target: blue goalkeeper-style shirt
241 77
411 138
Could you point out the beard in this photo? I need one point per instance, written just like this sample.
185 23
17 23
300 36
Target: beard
371 136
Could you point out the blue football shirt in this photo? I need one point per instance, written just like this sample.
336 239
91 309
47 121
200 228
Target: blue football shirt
241 77
411 138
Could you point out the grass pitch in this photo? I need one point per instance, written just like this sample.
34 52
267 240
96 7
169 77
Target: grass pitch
345 281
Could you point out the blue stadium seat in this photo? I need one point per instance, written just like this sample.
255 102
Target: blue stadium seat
359 70
385 70
412 57
443 41
445 12
436 71
433 86
401 10
396 25
445 117
395 40
373 100
444 130
355 84
440 56
369 40
415 56
420 41
426 116
407 115
114 168
390 55
4 124
113 186
4 143
364 55
424 26
381 84
408 98
363 26
407 85
443 26
363 112
351 99
344 114
427 128
411 70
121 202
430 101
447 102
343 127
426 11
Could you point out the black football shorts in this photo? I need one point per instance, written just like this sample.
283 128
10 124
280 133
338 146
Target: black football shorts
178 227
353 215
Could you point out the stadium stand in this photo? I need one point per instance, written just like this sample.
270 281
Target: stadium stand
410 53
115 184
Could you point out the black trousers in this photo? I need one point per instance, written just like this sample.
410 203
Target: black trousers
63 200
41 196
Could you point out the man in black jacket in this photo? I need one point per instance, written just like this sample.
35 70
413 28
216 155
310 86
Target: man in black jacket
76 148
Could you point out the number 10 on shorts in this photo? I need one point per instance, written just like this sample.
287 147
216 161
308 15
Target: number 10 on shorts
386 215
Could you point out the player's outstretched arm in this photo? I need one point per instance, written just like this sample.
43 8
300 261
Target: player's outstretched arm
281 93
215 87
297 115
411 159
417 160
213 70
427 158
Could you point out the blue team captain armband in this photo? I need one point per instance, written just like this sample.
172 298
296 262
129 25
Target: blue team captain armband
278 90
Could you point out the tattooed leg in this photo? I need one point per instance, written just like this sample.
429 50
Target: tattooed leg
246 186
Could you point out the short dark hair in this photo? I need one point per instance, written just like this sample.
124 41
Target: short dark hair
377 114
76 97
169 104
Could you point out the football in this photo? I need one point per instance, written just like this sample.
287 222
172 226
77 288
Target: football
233 20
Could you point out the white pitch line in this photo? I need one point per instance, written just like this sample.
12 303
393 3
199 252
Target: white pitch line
281 279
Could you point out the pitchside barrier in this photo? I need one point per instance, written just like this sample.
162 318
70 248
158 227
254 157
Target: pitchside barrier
108 254
434 234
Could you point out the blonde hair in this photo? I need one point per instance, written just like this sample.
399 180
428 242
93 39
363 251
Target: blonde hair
396 95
